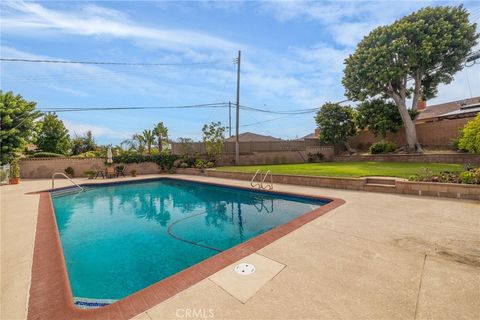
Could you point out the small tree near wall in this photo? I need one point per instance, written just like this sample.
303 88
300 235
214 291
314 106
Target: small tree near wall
17 124
213 138
336 124
53 136
380 117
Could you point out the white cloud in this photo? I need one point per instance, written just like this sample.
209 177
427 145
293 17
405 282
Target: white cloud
64 76
465 85
347 21
300 77
93 20
349 34
97 131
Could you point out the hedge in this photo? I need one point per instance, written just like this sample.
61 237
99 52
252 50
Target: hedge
164 160
47 155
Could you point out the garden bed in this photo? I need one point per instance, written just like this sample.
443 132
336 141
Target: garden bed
434 189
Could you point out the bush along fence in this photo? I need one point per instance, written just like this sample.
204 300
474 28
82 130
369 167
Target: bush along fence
165 161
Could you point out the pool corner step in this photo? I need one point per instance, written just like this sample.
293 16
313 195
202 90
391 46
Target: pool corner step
87 303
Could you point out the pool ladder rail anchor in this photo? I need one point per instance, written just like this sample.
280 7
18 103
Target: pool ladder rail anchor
262 183
68 190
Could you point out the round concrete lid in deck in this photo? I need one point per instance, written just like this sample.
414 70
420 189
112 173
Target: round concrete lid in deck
245 269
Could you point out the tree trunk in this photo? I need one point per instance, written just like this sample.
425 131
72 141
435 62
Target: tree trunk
159 144
410 131
349 148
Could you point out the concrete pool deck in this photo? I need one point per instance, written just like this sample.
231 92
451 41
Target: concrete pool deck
379 256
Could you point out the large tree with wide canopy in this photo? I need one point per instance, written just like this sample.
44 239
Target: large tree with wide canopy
409 59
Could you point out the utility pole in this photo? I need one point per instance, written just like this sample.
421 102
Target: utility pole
237 145
229 119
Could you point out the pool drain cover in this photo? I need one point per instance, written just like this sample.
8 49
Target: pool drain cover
245 269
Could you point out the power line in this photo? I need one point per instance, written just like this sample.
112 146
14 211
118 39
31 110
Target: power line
261 122
107 63
206 105
74 109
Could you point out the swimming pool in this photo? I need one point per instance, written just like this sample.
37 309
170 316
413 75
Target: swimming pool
118 239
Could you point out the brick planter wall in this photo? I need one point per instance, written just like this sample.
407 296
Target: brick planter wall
447 190
462 158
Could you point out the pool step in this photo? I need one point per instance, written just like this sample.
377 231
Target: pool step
86 303
381 181
65 192
380 185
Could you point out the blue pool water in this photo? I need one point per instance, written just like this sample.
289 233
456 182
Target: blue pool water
121 238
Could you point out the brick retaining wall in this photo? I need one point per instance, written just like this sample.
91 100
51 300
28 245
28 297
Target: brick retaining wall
462 158
447 190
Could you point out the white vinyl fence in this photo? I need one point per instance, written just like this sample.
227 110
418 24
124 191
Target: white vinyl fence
4 174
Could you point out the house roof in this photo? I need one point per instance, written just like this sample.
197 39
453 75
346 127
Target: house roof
312 135
439 110
249 136
472 109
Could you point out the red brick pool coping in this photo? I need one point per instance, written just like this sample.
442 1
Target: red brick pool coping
50 293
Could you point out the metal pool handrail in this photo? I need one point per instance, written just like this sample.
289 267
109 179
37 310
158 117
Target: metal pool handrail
268 186
253 179
63 174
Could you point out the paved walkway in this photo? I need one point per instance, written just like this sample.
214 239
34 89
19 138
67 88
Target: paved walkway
379 256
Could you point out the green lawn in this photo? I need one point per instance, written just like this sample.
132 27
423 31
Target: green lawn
349 169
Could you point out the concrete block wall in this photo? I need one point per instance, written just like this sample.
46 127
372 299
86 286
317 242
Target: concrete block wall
42 168
276 157
438 134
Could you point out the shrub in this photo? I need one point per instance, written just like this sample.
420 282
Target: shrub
471 176
424 174
163 159
14 169
3 175
382 147
90 154
90 173
69 171
190 160
47 155
468 177
315 157
209 164
469 139
199 164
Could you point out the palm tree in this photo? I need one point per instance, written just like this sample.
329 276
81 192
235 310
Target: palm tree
162 134
149 139
138 143
126 145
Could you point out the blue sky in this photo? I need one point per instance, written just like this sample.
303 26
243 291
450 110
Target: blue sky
292 55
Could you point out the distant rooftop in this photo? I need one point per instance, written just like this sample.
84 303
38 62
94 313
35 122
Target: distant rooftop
249 136
441 110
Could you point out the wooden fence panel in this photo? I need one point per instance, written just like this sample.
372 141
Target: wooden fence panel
249 146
